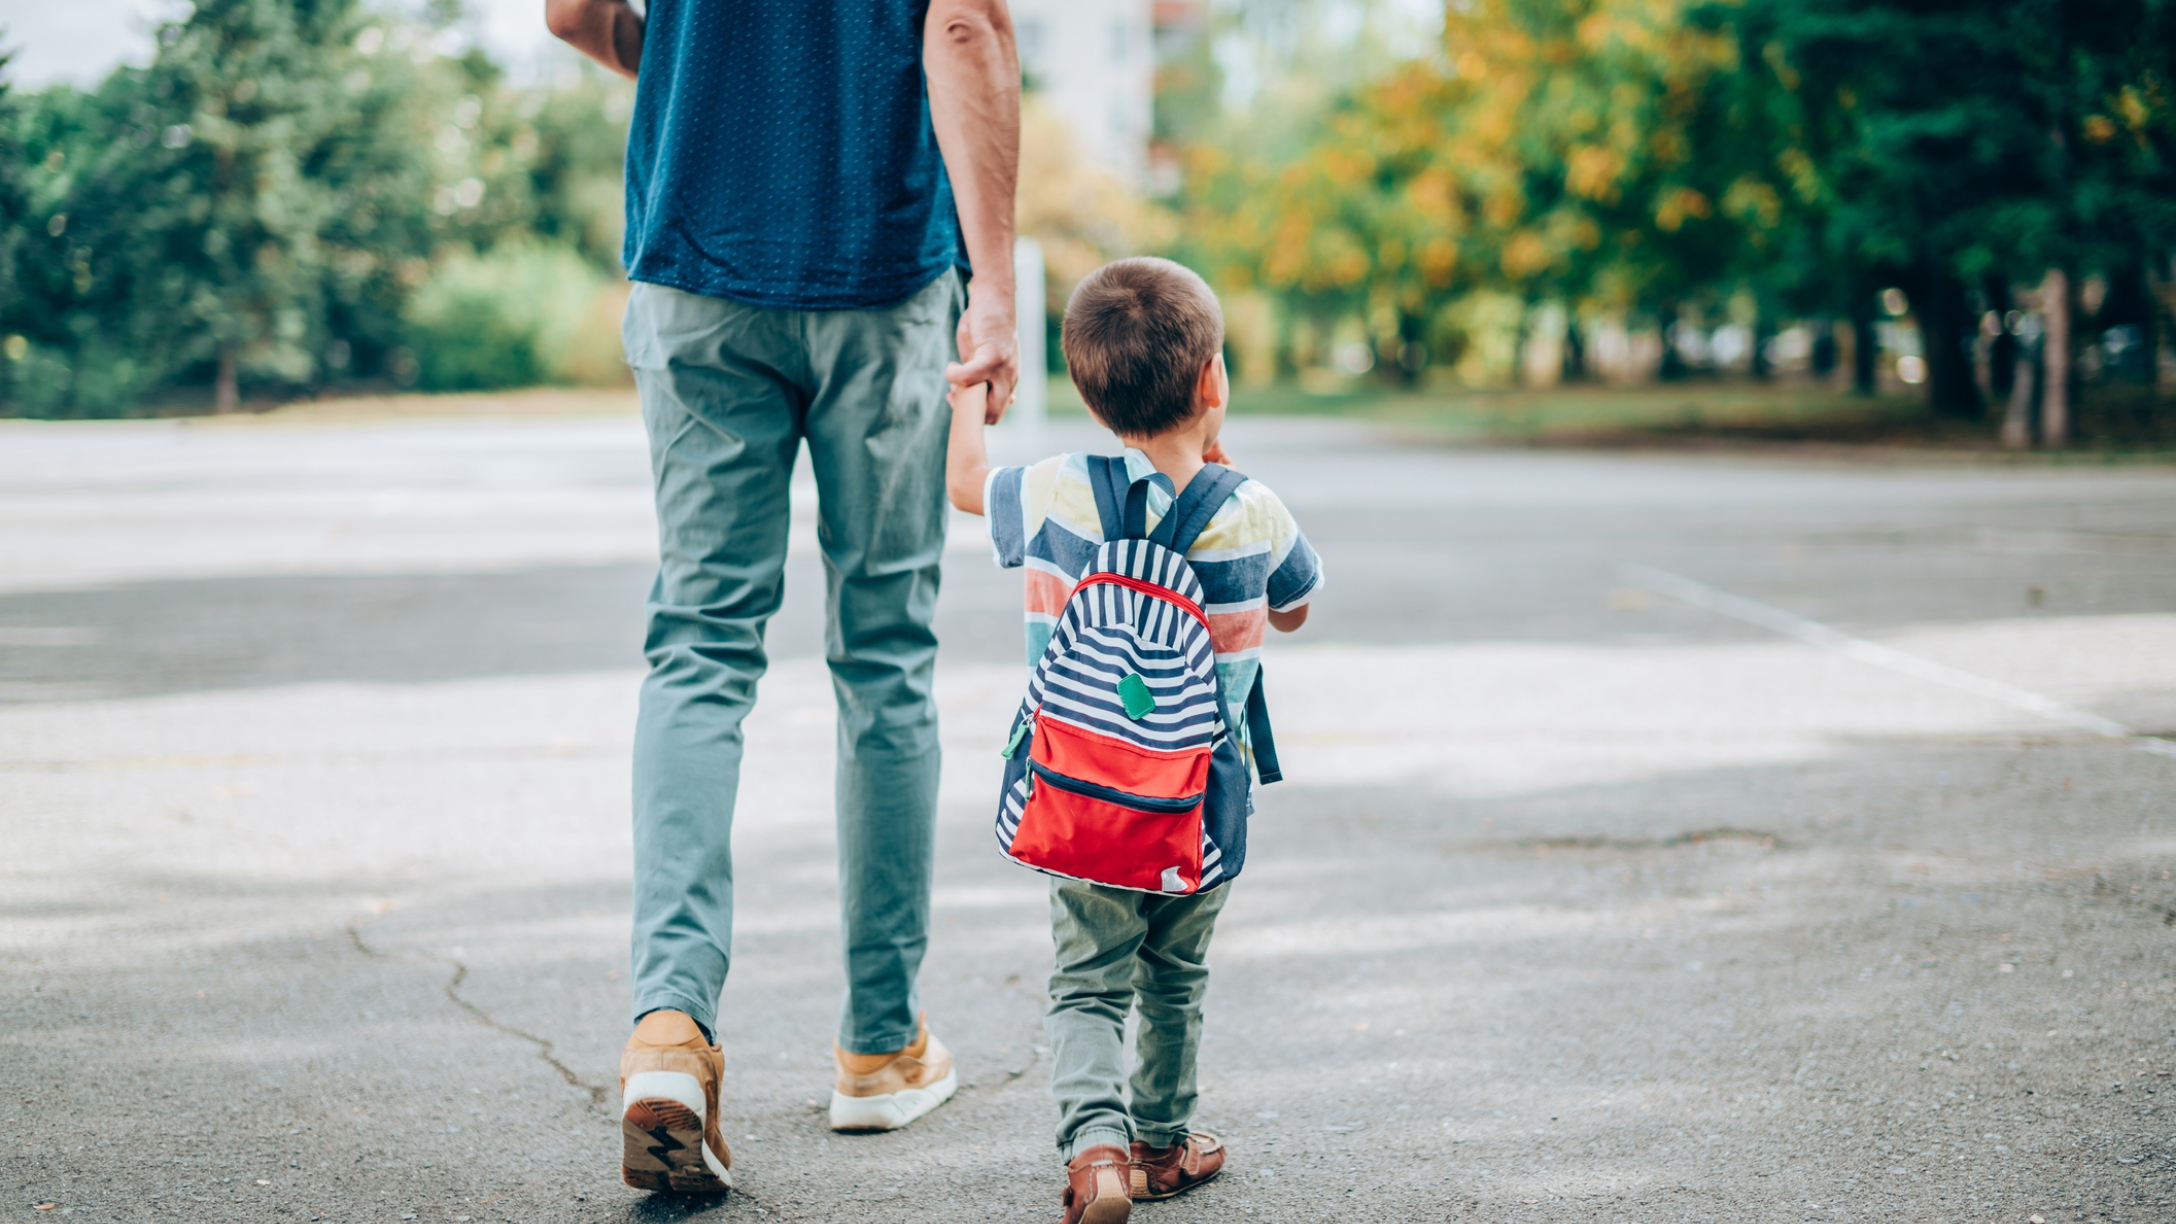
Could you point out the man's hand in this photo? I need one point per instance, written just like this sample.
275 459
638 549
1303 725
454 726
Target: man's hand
973 71
989 343
608 31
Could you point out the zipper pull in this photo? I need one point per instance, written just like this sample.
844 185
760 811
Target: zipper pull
1018 733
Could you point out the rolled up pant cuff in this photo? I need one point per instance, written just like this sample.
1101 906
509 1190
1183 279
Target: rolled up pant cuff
1095 1137
1161 1138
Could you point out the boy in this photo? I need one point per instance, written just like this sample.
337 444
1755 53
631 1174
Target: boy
1144 341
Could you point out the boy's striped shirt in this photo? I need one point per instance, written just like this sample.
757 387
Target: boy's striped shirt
1250 559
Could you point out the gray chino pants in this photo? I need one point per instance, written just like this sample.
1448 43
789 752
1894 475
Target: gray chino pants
1118 951
730 392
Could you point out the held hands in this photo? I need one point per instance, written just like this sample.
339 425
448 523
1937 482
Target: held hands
989 345
974 400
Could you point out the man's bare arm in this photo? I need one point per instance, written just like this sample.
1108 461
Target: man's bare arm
974 102
608 31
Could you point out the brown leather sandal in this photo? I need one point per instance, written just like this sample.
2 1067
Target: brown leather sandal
1096 1187
1160 1173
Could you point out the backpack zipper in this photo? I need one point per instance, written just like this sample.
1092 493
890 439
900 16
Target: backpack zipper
1145 587
1141 803
1018 733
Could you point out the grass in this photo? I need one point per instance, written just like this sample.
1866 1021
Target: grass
2113 422
2110 421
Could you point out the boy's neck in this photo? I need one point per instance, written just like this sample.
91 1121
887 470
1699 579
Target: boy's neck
1176 454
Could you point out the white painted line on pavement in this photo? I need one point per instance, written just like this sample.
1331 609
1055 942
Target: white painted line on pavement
1814 633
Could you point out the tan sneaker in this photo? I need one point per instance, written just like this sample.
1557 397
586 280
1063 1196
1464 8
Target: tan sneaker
1096 1186
1159 1173
669 1109
881 1092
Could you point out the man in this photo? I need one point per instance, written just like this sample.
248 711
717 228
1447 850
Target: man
805 184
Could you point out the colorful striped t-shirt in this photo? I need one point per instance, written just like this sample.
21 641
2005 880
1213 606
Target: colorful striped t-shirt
1251 558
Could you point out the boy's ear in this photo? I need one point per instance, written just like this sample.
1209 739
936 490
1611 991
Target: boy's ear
1210 388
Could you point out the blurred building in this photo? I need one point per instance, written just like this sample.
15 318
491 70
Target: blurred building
1094 63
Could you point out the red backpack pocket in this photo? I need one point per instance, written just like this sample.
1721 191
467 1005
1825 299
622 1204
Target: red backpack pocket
1137 826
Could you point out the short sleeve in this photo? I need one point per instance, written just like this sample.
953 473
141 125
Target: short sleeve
1004 505
1298 576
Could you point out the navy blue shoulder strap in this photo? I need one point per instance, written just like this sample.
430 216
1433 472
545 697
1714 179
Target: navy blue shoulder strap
1121 501
1259 736
1205 494
1107 477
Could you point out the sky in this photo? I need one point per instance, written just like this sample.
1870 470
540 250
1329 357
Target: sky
79 41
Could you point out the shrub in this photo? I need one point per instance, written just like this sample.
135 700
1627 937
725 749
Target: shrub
522 314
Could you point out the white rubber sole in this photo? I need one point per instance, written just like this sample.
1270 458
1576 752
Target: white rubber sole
891 1110
661 1131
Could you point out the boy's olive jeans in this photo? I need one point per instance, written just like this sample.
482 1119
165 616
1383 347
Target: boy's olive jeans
729 394
1118 950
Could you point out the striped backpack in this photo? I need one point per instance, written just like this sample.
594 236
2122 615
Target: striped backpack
1120 768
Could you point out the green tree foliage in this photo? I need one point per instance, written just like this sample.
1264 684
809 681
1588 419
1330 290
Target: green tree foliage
1960 143
261 205
1557 148
14 188
1640 155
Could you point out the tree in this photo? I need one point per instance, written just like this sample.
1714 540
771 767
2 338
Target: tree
260 206
1570 149
14 189
221 209
264 217
1958 141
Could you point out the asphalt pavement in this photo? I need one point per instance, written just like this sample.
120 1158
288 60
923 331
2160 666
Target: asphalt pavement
1667 837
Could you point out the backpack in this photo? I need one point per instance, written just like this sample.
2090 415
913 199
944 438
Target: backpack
1120 768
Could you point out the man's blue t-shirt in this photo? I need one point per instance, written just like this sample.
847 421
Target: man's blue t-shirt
781 154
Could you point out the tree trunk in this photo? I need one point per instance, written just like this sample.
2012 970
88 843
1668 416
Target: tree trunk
2017 417
1412 353
1863 346
1951 391
1823 357
226 392
2055 360
1673 363
2161 292
2002 347
2161 279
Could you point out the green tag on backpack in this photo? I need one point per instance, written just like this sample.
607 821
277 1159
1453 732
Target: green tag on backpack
1018 733
1133 691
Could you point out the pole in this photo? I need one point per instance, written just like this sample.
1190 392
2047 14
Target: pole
1031 399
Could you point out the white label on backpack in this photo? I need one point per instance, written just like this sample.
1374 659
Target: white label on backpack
1173 882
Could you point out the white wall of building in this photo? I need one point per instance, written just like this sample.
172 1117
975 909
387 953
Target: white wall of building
1094 63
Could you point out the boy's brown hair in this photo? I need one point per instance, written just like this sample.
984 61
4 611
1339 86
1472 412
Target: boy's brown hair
1137 334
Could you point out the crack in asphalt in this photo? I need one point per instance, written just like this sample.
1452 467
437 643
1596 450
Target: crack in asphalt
599 1095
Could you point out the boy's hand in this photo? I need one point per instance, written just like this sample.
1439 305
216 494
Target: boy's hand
969 398
1215 454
